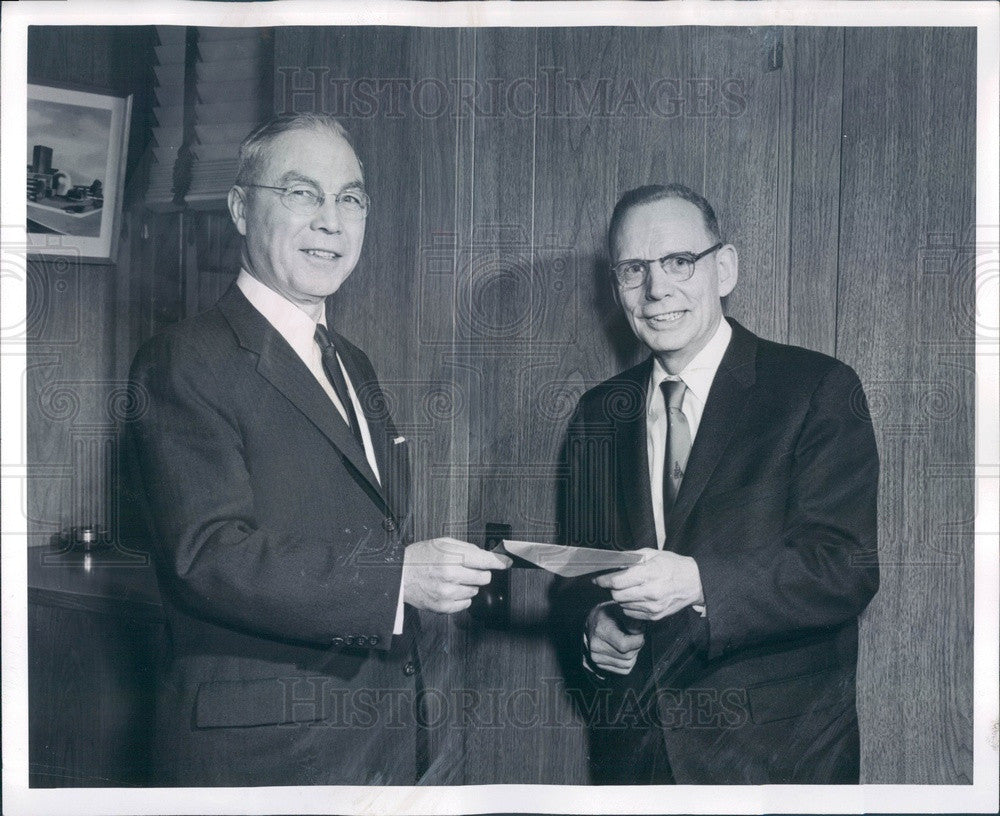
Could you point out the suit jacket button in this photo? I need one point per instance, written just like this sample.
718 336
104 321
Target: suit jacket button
410 668
351 640
373 640
361 640
337 641
389 524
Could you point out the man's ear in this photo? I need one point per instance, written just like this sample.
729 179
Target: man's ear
237 208
727 263
615 294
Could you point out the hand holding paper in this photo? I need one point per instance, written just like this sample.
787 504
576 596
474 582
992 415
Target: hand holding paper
661 585
571 562
443 574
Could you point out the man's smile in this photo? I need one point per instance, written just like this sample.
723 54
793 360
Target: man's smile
322 254
666 318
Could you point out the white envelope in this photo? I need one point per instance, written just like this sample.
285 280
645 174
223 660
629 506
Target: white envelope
571 562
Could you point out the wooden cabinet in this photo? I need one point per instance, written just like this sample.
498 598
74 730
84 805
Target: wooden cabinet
91 668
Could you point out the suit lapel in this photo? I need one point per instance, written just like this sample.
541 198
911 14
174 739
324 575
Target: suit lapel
723 411
280 365
626 405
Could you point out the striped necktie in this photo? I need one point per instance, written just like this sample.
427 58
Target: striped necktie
331 365
678 443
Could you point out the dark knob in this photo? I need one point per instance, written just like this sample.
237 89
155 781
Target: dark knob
491 605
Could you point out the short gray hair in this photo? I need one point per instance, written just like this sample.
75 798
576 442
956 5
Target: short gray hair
253 150
658 192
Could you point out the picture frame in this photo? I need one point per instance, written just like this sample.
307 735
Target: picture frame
76 149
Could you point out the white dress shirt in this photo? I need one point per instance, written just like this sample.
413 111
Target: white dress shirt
697 376
299 329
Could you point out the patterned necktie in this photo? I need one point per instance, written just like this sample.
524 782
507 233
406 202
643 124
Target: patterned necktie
331 365
678 443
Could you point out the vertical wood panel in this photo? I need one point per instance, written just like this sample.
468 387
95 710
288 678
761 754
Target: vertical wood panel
213 246
743 155
907 193
70 375
496 277
440 497
448 763
818 66
495 325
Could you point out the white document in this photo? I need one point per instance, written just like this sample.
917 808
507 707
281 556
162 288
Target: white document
570 562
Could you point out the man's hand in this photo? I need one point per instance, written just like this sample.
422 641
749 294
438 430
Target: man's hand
660 585
443 574
613 648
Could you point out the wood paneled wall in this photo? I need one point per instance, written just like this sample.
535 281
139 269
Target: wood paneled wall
841 164
83 318
905 319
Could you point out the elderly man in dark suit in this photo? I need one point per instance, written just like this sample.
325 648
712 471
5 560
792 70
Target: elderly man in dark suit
278 494
745 471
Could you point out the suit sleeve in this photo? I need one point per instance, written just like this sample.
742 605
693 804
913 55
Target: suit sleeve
824 570
214 557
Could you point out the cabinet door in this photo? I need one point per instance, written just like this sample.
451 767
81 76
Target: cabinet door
91 677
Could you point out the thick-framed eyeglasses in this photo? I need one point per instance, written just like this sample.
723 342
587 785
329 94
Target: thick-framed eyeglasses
679 266
306 200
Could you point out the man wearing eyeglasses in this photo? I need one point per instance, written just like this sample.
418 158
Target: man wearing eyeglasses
278 494
745 472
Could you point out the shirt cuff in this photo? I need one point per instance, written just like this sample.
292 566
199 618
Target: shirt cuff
700 609
397 627
589 666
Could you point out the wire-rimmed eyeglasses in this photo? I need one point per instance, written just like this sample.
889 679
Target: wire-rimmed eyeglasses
306 200
679 266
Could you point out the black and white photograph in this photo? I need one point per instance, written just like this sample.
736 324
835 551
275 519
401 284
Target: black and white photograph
532 407
75 149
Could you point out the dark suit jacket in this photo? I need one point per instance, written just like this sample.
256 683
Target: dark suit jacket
777 507
279 558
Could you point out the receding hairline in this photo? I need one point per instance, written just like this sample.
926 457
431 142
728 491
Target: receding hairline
634 209
655 193
255 150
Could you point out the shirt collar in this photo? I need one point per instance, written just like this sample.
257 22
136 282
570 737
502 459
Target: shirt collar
699 373
298 328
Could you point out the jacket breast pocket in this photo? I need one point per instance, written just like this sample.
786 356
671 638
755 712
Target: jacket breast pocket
399 475
746 514
743 497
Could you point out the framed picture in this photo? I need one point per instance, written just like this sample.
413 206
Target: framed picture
76 170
